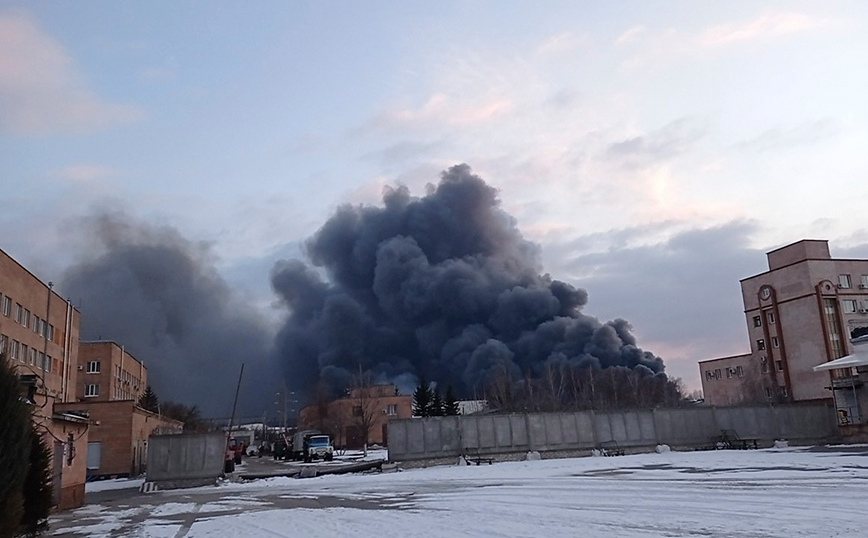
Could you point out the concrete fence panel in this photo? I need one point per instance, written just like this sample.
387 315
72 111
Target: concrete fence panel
569 429
184 458
554 433
518 428
441 437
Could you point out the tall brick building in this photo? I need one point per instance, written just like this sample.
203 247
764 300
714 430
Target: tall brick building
39 333
109 384
802 312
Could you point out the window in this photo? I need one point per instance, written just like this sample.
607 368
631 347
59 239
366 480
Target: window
760 344
93 367
844 281
7 306
37 322
33 354
24 352
19 312
392 409
757 321
779 365
25 319
771 317
13 350
739 371
46 363
764 362
4 341
864 284
768 392
50 331
91 390
849 306
784 392
42 360
775 342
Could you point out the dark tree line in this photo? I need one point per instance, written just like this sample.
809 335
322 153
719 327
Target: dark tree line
190 415
564 387
427 401
25 476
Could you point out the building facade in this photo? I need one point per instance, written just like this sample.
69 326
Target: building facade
108 373
109 385
800 313
39 333
345 419
118 439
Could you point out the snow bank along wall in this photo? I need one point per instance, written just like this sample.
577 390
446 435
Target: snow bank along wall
445 437
186 460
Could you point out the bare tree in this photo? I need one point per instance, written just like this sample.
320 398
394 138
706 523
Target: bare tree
366 405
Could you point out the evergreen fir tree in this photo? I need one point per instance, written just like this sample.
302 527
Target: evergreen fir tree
422 399
436 409
450 403
15 435
148 400
37 489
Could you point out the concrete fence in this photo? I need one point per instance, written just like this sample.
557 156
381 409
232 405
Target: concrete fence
186 459
447 437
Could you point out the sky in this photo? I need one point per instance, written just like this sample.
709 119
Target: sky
654 151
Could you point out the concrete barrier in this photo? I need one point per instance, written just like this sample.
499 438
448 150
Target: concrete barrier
510 437
185 460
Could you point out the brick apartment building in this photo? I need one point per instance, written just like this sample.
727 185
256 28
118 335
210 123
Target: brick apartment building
801 313
39 333
339 418
110 383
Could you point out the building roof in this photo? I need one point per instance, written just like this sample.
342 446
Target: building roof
859 357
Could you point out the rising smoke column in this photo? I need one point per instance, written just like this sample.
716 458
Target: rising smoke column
443 286
160 296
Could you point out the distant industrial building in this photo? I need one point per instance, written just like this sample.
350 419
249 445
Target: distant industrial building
340 418
39 335
803 312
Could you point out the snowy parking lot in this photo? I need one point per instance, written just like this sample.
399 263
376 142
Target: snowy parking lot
817 492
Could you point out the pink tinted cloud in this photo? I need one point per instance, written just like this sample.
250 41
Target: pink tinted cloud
41 90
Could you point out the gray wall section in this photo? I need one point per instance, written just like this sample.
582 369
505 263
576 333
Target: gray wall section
441 437
186 456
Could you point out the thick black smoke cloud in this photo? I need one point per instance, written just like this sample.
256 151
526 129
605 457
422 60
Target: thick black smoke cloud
443 286
160 296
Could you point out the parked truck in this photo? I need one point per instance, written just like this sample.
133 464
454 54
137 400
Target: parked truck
309 445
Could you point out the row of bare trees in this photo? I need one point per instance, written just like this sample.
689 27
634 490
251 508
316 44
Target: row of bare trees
563 387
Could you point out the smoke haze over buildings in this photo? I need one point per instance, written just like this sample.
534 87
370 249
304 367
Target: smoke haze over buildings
160 296
443 286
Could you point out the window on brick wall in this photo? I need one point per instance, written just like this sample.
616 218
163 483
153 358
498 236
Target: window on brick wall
757 321
93 367
760 344
91 390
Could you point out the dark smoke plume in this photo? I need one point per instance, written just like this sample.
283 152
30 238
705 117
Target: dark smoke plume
443 286
160 296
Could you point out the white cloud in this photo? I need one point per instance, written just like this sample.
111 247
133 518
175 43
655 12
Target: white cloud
560 43
41 90
629 35
84 173
762 27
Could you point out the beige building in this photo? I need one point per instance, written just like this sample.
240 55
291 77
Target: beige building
344 418
39 335
800 313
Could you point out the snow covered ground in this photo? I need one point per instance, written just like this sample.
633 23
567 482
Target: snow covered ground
763 493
